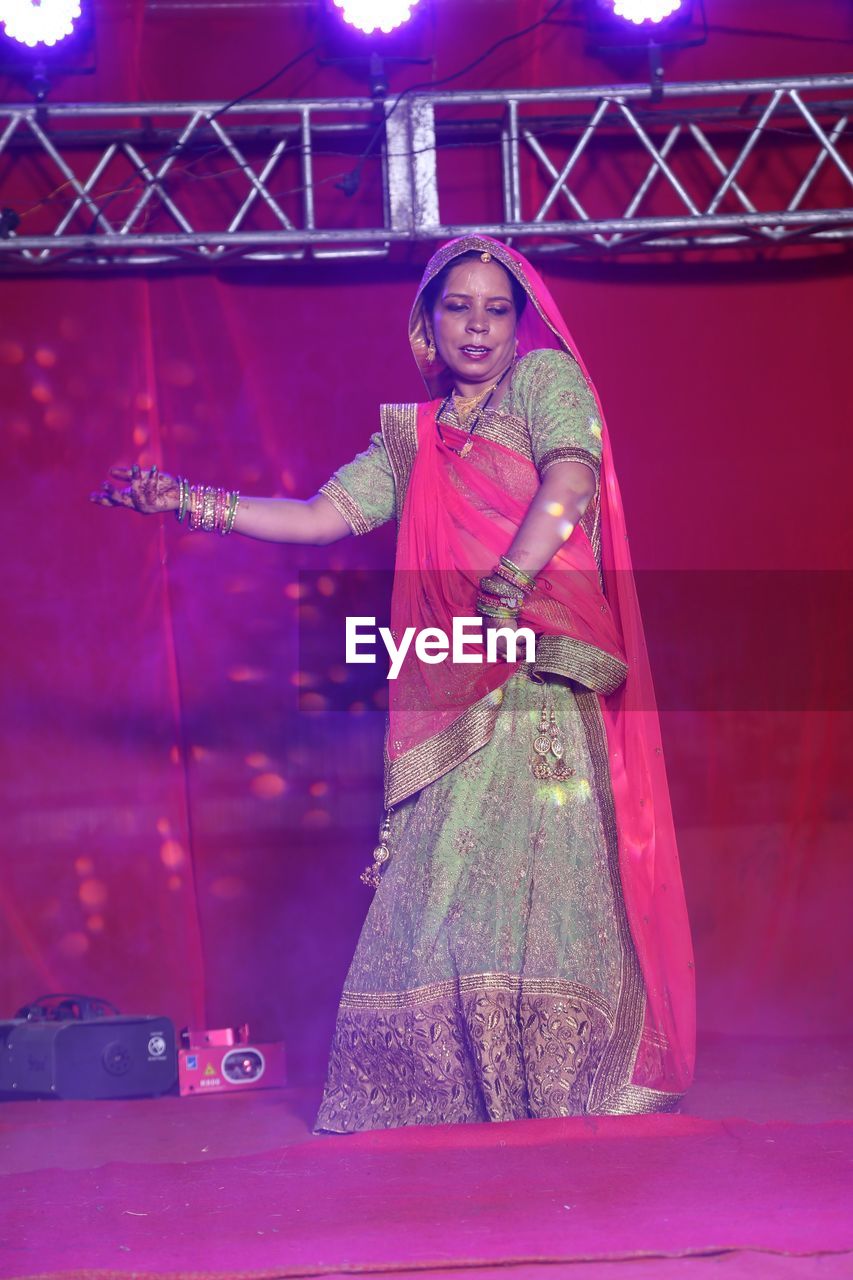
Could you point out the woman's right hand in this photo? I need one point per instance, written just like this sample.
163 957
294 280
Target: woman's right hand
148 492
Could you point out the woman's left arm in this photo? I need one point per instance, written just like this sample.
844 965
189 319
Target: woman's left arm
563 495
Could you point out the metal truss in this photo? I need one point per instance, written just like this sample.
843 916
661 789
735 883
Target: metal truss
729 165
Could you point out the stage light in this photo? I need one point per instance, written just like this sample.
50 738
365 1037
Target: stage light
639 11
370 16
624 31
42 41
42 23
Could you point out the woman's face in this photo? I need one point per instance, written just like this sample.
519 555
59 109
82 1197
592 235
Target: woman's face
474 322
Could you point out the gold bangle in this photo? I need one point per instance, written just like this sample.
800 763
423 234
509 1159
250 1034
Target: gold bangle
524 579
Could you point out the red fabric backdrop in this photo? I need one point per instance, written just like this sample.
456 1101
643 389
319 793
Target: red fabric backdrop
183 823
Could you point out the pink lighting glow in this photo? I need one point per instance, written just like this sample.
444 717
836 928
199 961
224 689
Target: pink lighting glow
33 23
645 10
376 15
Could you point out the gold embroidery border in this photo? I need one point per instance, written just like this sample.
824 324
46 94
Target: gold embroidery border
346 506
400 433
442 752
575 660
636 1100
511 983
612 1091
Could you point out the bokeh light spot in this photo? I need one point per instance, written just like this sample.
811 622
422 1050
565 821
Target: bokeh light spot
95 924
172 854
257 760
327 586
84 866
246 675
93 893
295 590
174 883
267 786
320 788
41 393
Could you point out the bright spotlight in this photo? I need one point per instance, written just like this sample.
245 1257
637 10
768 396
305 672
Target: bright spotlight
375 15
638 11
39 22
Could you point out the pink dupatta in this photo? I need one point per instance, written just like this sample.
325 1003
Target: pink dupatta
457 519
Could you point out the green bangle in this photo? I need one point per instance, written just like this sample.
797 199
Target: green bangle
183 499
231 513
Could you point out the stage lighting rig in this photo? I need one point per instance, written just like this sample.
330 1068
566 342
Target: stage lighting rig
44 40
622 30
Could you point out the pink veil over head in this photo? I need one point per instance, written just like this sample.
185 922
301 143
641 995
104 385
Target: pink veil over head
648 855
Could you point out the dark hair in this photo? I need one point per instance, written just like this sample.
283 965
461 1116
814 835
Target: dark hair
432 291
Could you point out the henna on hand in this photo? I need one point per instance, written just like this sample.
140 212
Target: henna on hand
148 492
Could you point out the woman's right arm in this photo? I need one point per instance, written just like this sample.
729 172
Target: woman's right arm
314 521
358 497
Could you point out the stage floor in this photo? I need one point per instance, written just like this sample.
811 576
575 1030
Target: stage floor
751 1179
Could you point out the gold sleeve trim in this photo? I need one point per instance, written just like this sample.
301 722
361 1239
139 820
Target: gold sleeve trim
345 505
569 453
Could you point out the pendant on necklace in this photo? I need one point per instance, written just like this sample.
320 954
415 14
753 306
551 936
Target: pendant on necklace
466 448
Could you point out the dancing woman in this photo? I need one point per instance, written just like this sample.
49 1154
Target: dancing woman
527 951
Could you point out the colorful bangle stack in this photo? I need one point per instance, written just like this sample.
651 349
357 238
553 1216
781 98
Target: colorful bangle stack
208 508
502 592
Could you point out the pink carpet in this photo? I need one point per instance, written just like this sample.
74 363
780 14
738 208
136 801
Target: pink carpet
237 1186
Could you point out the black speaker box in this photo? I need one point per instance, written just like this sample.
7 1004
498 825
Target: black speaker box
121 1057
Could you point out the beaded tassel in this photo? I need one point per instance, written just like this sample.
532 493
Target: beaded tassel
549 742
371 875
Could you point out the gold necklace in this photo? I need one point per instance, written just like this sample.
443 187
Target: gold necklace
472 418
465 406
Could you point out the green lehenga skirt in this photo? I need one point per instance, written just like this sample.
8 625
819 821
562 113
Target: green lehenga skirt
495 977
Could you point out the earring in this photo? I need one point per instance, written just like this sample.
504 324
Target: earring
431 351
